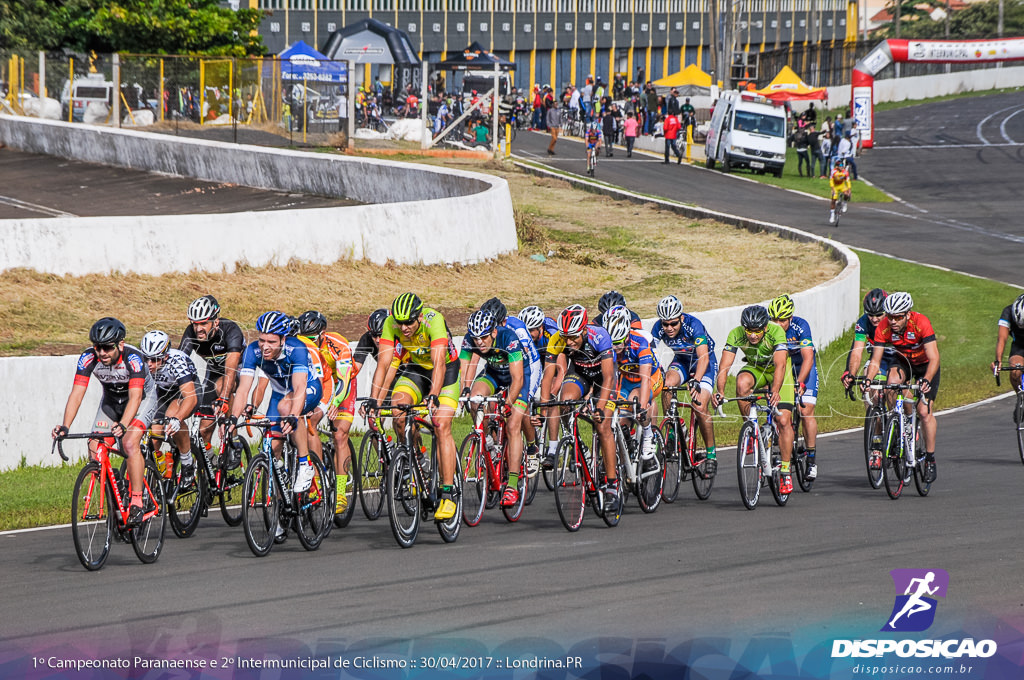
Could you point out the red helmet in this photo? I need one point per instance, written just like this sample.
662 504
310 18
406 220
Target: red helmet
572 320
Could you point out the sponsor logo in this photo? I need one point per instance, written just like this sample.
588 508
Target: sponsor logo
85 360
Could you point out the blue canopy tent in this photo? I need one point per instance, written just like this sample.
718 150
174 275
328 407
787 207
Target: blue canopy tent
312 83
300 62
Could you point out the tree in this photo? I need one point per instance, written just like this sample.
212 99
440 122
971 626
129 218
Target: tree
977 20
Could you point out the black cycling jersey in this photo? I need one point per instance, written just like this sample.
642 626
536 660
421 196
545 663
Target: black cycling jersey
1016 332
225 339
364 348
127 372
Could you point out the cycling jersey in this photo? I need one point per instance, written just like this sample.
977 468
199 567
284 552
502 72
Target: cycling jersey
864 331
225 339
691 335
761 355
593 137
839 180
177 370
318 366
797 337
337 358
506 349
432 332
597 346
530 355
547 329
366 347
293 359
1016 332
637 353
910 343
128 372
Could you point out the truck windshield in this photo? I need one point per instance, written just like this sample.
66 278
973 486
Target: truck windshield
760 123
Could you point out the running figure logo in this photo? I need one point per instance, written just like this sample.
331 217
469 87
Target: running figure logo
916 590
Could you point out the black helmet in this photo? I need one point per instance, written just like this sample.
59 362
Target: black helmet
874 301
107 331
375 324
312 323
497 309
612 298
754 317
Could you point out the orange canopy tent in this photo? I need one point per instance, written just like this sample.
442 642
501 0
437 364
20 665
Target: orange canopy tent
788 86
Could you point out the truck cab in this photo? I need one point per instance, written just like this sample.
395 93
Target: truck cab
747 131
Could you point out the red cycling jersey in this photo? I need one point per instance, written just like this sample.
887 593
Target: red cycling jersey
910 344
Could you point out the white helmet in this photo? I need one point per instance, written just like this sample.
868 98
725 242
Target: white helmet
155 344
898 303
532 317
670 308
203 309
617 321
1018 311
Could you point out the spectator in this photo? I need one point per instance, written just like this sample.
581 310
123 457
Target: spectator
810 116
554 123
481 134
598 96
538 108
814 148
630 127
671 128
652 109
845 152
608 130
826 154
574 103
799 138
838 128
855 138
672 107
587 98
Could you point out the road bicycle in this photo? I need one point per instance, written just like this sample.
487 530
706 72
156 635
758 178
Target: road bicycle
413 479
874 430
100 504
900 443
483 457
798 463
591 159
1018 408
185 504
375 454
269 501
842 205
758 460
685 456
325 431
644 478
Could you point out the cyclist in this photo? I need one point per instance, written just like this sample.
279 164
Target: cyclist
1011 324
839 180
541 329
693 359
129 400
614 298
219 342
429 372
337 358
766 355
640 375
863 337
803 357
295 392
585 356
593 139
506 368
177 389
911 335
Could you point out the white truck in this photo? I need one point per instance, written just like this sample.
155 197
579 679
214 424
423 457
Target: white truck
747 131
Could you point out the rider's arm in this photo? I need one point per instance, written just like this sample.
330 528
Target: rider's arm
931 350
189 399
807 354
299 379
384 357
231 362
438 355
853 363
728 356
1003 334
74 402
515 369
605 390
703 361
645 386
780 358
242 393
875 365
468 361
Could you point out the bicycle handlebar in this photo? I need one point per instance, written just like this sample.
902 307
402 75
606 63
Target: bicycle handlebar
59 446
997 371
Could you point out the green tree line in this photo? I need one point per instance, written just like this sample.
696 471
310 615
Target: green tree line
978 20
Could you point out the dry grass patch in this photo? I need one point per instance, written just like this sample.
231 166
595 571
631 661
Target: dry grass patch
589 244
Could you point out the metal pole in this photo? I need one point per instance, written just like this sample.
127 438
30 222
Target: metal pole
71 86
42 75
999 24
425 132
494 112
117 89
351 105
162 85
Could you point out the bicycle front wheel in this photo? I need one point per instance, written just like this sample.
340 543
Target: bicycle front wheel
350 490
651 476
474 480
570 484
893 464
671 434
514 512
874 425
1020 427
371 469
233 481
148 537
748 469
923 487
449 528
260 506
186 506
700 477
92 517
403 500
314 508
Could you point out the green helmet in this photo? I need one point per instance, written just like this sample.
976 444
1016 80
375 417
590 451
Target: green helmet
406 307
781 307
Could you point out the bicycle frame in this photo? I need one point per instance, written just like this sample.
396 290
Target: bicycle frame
413 419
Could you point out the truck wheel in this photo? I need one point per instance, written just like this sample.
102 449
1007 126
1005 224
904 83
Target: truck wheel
778 173
726 166
709 163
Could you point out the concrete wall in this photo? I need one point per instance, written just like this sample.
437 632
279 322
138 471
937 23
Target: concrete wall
438 215
923 87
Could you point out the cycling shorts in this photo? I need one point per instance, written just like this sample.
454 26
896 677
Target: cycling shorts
109 413
1016 350
208 390
626 387
497 383
763 377
415 381
843 188
585 385
917 372
811 387
683 371
347 408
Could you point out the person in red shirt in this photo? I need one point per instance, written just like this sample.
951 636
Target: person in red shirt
671 129
917 356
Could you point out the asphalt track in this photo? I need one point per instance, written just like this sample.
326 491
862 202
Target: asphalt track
731 593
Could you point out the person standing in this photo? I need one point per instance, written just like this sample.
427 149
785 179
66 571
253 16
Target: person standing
800 144
554 124
814 148
671 129
672 107
630 127
652 110
826 152
608 130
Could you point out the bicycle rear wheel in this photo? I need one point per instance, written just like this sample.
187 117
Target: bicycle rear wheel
700 477
923 487
187 505
148 537
449 528
260 506
351 490
652 476
314 508
371 470
1020 427
893 462
748 469
474 479
570 484
671 433
775 481
232 483
874 426
514 512
92 517
403 500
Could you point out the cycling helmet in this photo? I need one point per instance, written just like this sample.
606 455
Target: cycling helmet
754 317
276 323
375 324
840 163
203 309
572 320
155 344
612 298
406 307
1018 311
312 323
781 307
898 303
532 317
481 323
293 326
617 321
670 308
107 331
497 308
874 302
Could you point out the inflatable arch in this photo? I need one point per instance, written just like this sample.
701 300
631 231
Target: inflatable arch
919 51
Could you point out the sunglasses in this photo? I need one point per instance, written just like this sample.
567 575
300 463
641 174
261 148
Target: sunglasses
151 360
671 324
406 324
754 331
105 348
895 317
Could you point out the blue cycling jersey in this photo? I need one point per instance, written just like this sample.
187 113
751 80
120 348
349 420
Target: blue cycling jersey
530 354
797 337
691 335
507 348
548 328
637 353
293 359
